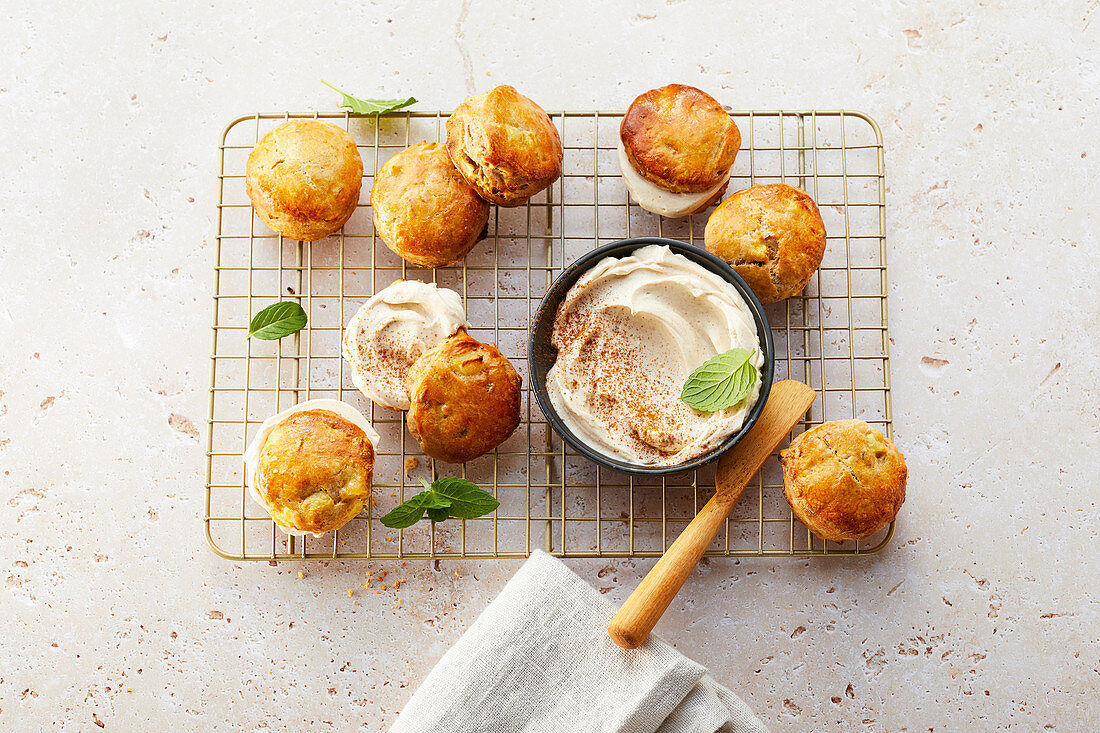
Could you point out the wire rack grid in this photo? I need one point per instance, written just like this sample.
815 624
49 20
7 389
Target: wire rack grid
833 336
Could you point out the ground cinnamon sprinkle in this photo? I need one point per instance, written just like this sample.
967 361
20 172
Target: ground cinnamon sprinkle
632 396
388 358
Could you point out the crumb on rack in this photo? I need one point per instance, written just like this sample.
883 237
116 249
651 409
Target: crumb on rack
410 465
301 575
350 592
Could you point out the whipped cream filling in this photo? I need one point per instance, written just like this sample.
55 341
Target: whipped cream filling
391 330
652 197
252 454
628 334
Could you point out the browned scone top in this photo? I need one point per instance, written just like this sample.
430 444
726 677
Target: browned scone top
505 145
844 479
315 471
303 178
465 399
680 138
773 237
424 210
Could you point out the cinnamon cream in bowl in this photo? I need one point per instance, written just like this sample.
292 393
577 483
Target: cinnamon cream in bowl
617 336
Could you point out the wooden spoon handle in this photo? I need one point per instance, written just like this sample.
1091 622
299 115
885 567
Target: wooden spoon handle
786 404
645 606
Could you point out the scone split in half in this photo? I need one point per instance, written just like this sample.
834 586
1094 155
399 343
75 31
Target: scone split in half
311 466
391 330
677 145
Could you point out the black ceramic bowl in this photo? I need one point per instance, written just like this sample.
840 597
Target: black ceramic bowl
542 354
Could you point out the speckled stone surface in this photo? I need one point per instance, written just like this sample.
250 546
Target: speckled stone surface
984 613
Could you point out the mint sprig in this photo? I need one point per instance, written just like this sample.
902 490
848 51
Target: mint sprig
442 499
277 320
720 382
370 106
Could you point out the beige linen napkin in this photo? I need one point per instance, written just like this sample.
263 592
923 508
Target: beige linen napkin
539 659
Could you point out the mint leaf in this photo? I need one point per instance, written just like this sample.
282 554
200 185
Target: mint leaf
277 320
437 515
371 106
406 514
430 500
720 382
468 500
441 499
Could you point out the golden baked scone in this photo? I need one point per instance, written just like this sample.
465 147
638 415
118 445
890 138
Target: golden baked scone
505 145
773 237
303 178
314 471
423 208
844 479
465 399
681 139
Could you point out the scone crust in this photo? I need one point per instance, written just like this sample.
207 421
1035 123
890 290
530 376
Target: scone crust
465 399
303 178
772 235
844 479
315 471
680 138
424 210
504 145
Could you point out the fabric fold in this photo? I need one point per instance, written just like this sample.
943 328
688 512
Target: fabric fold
539 659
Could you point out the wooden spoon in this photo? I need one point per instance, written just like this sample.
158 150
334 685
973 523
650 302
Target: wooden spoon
786 404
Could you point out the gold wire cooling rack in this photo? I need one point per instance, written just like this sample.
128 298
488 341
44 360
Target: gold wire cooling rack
833 337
